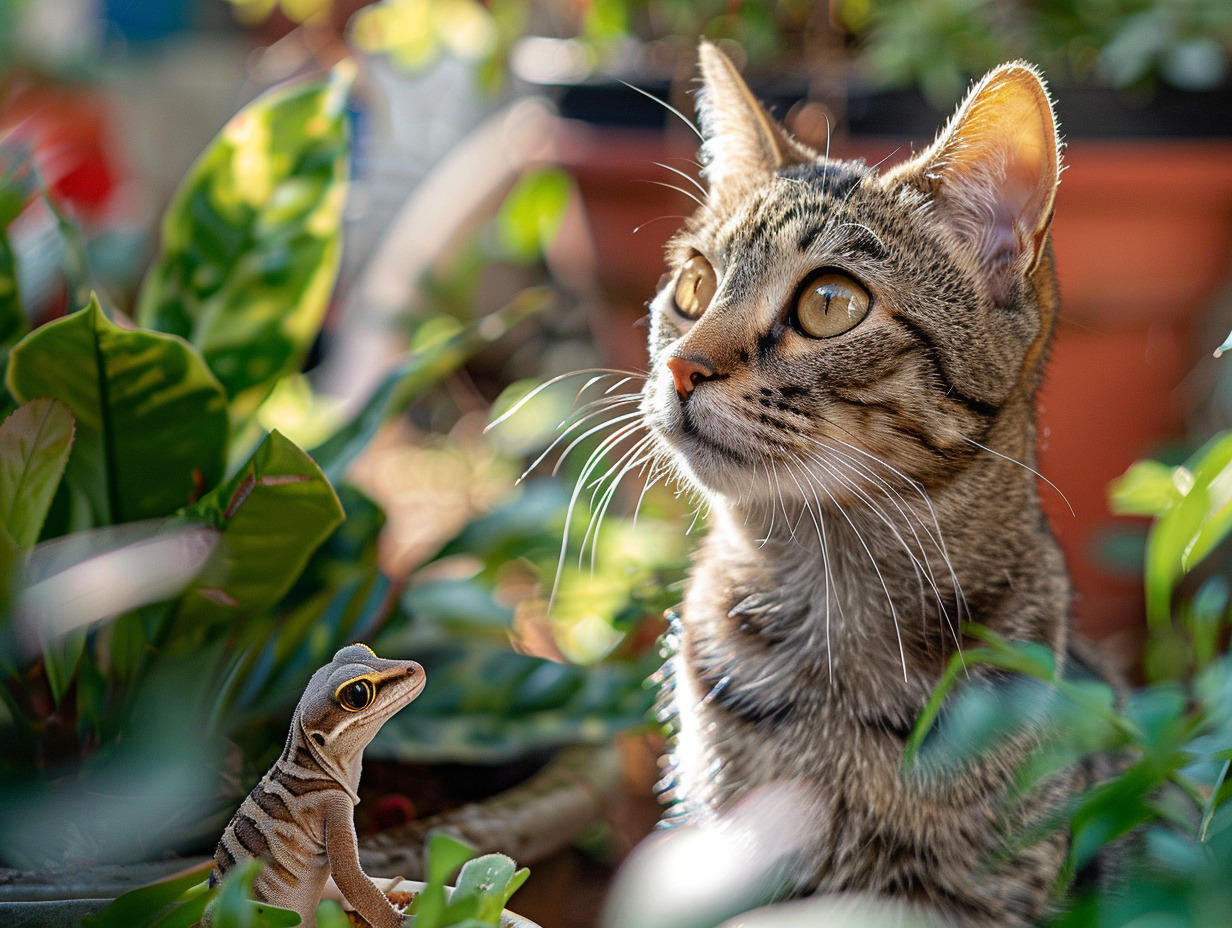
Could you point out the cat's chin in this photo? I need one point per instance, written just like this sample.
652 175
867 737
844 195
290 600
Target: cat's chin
710 466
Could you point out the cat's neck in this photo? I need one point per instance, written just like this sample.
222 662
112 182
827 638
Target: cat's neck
890 575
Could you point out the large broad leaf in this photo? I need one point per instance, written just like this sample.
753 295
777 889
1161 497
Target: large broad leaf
251 242
273 514
151 418
34 447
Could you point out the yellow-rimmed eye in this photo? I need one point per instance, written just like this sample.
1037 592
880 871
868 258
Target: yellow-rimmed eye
695 287
356 695
831 304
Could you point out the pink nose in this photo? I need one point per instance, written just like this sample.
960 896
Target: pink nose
688 373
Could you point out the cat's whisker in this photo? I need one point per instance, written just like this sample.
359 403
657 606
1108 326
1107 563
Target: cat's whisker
1025 467
819 525
565 435
602 371
920 491
691 179
877 569
643 225
667 106
593 462
598 512
624 417
660 183
920 563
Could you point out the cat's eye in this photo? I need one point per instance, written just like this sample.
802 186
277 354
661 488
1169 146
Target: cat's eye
356 695
830 304
695 287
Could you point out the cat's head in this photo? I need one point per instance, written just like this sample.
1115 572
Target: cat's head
818 311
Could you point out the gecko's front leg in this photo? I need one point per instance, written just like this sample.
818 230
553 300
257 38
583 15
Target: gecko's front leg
356 886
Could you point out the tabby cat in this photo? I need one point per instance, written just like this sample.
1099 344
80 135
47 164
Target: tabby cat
844 363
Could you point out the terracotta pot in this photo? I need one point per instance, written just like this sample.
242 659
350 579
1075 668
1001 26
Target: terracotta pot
1143 237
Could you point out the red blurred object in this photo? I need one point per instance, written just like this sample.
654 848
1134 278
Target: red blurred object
393 810
67 129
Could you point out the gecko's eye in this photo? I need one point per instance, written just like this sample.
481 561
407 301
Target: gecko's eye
356 695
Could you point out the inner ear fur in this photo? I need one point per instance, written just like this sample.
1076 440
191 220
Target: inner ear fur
993 171
742 143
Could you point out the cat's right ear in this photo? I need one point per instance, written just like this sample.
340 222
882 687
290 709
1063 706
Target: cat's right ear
992 173
742 144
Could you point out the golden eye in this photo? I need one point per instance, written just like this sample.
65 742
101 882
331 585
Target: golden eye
696 286
830 304
356 695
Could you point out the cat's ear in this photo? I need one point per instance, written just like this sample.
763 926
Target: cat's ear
993 171
741 142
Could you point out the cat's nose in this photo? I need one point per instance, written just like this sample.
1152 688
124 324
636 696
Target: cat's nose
688 373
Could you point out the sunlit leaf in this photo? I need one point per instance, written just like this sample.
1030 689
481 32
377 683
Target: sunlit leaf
151 420
251 242
532 213
1191 528
273 514
1148 488
34 447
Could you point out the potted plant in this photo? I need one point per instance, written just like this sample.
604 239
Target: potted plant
138 709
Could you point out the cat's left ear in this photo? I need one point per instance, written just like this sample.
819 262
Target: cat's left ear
993 171
742 143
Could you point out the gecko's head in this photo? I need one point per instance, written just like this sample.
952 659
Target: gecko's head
349 699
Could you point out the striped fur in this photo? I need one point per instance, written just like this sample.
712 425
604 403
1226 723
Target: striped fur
868 492
299 818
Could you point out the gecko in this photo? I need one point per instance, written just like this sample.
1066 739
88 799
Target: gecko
299 818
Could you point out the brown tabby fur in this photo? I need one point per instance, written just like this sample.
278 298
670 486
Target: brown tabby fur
868 492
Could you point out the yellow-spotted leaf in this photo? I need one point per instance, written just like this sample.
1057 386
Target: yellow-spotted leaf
151 419
273 514
251 242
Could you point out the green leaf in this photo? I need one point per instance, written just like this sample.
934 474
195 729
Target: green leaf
445 855
140 907
424 368
151 420
1192 527
531 215
273 514
1148 488
331 915
487 879
252 240
34 447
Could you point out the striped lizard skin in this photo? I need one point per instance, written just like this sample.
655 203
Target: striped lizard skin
300 818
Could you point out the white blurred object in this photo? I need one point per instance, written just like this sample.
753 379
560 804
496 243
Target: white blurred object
90 576
845 911
699 875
